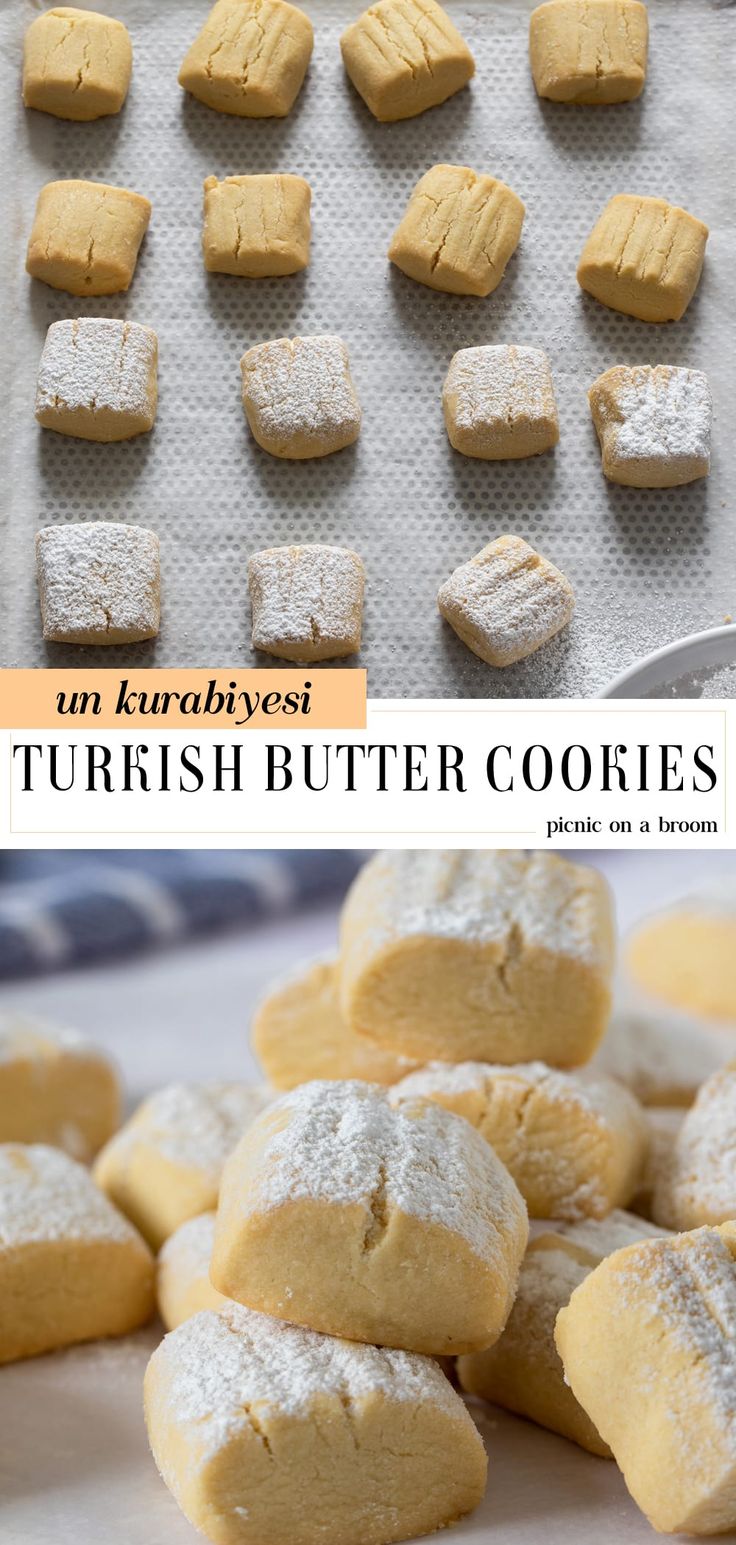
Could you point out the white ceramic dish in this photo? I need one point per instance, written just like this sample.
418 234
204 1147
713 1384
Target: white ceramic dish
691 667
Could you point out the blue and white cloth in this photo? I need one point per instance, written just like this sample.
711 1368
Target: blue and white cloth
62 909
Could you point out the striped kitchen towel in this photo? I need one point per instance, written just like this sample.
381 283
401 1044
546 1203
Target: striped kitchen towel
61 909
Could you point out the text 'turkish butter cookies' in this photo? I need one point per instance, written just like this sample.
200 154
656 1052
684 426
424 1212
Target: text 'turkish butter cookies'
459 231
686 955
698 1184
499 402
485 956
644 257
648 1347
71 1267
575 1145
183 1286
271 1434
299 398
86 237
523 1372
256 226
589 51
250 58
97 379
397 1226
404 56
76 64
98 583
164 1165
507 601
653 423
55 1088
299 1033
307 602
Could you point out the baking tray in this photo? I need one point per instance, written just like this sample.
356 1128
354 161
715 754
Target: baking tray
648 567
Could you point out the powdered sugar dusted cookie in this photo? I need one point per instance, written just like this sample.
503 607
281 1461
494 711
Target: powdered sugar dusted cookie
250 58
268 1433
404 56
164 1166
55 1088
698 1186
499 402
415 1228
644 257
664 1122
76 64
86 236
98 583
653 423
589 51
507 601
183 1284
97 379
523 1371
307 601
662 1056
299 397
71 1267
491 956
459 231
256 226
299 1033
648 1346
575 1145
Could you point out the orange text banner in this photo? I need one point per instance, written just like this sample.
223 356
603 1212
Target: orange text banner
297 698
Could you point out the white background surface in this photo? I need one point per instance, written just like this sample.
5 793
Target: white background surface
74 1462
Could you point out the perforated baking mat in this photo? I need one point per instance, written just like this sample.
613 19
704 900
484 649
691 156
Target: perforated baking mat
647 567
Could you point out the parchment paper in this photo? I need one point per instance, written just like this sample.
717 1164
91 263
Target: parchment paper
647 566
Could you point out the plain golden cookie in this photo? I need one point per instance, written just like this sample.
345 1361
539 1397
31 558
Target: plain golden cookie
648 1348
256 226
55 1088
575 1145
459 231
86 237
484 956
686 956
164 1166
299 398
71 1267
644 257
307 602
269 1434
98 583
98 379
404 56
183 1286
397 1226
250 58
299 1033
506 602
499 402
589 51
76 64
653 423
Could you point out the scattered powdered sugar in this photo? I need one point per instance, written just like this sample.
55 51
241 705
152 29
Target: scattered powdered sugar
98 582
306 596
602 1099
659 413
662 1057
716 681
343 1143
699 1185
598 1238
300 389
221 1370
506 601
96 363
195 1126
497 383
45 1195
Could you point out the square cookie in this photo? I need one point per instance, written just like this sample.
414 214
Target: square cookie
307 602
86 237
97 379
644 257
507 601
98 583
256 226
589 51
404 56
76 64
499 402
250 58
653 423
299 397
459 231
